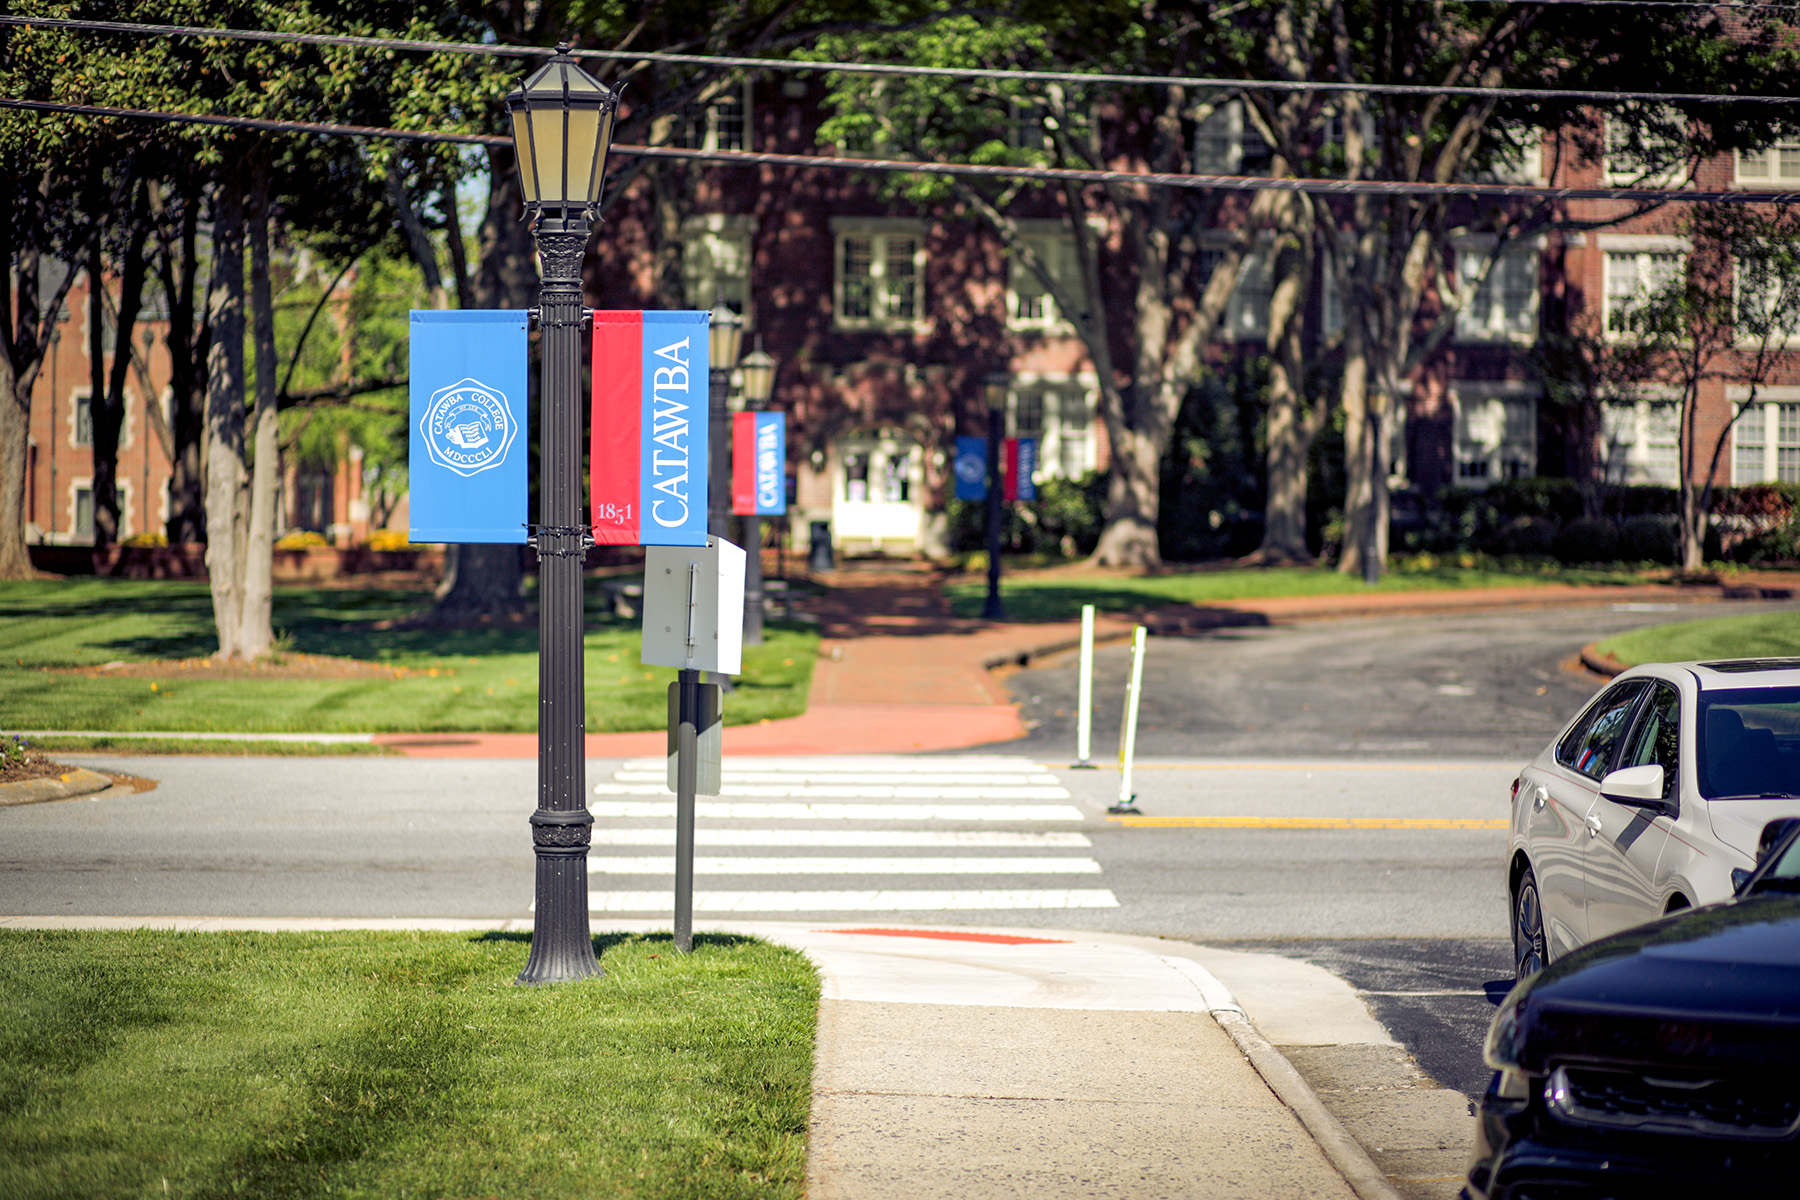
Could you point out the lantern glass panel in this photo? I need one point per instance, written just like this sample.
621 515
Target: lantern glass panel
528 178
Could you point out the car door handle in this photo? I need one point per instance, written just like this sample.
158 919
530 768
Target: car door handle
1539 796
1593 824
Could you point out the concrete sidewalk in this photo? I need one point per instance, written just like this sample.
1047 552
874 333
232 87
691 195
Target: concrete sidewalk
898 673
987 1064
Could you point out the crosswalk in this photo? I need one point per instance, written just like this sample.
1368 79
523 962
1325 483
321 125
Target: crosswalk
824 836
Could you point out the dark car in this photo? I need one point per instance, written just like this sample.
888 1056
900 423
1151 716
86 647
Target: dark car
1658 1062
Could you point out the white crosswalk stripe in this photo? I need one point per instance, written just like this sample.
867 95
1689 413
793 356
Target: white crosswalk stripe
745 865
874 804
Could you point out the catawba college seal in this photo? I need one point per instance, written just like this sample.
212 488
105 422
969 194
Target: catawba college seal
467 428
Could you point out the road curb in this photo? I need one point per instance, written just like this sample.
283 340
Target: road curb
1601 663
79 782
1346 1154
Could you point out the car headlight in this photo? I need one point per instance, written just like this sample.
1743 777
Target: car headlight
1505 1046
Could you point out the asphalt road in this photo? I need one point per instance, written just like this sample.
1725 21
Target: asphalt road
1464 685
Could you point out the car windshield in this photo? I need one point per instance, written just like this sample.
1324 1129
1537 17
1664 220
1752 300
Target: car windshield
1749 743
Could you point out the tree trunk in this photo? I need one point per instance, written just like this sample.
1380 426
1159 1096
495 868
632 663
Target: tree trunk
257 635
1129 537
25 327
1357 490
1292 421
103 421
106 445
189 346
15 428
227 509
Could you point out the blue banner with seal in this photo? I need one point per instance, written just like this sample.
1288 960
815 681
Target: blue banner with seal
467 447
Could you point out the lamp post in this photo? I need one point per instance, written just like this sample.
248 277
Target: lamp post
562 123
758 369
994 388
725 339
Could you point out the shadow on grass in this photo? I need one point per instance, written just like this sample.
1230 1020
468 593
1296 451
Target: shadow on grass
372 624
607 941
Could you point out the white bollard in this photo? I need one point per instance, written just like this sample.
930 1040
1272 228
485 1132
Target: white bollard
1084 703
1128 734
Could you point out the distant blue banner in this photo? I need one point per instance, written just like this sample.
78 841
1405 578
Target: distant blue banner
971 468
467 447
759 464
1021 463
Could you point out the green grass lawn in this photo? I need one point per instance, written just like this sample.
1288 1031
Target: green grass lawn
482 680
1050 598
1758 635
388 1065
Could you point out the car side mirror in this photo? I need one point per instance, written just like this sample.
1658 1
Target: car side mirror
1640 787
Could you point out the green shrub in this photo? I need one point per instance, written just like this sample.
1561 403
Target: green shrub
1587 540
1640 500
1063 522
1557 500
1530 537
1648 537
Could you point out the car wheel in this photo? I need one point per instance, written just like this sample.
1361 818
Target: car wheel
1530 953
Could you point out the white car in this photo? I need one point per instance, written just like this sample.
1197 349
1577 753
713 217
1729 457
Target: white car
1650 800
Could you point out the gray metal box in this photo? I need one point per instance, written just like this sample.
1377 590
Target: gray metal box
694 607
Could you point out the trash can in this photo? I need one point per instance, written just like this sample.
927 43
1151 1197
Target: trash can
819 556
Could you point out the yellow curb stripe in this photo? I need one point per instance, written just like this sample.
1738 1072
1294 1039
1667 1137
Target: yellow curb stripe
1310 822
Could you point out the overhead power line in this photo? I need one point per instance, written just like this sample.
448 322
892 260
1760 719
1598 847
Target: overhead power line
1230 183
1078 78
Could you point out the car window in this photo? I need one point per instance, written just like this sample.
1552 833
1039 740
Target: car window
1748 743
1657 738
1591 745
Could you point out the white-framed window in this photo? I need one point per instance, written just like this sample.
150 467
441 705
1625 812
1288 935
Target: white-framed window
715 262
1767 300
721 123
1025 125
1246 316
1505 305
1516 164
1636 268
1496 432
1640 441
1331 296
1774 166
1226 142
1058 411
81 418
1765 439
1650 157
1029 304
880 277
82 504
1334 153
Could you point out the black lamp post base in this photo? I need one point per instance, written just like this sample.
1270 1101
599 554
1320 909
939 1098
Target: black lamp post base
562 950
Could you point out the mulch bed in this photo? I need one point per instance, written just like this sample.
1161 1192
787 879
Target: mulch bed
32 766
285 666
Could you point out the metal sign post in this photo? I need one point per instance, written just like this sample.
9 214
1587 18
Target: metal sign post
693 621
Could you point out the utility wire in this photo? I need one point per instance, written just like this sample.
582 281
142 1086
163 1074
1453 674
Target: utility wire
1230 183
774 64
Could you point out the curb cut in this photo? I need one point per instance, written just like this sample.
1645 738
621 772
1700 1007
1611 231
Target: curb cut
79 782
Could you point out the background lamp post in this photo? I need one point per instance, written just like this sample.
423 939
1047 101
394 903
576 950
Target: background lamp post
758 373
725 340
562 122
994 389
